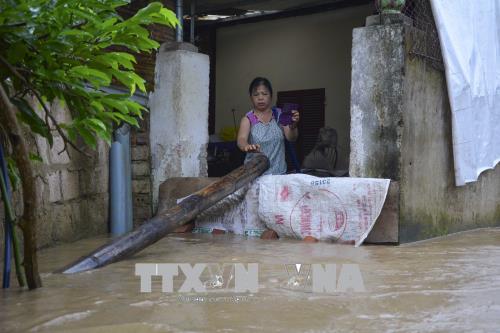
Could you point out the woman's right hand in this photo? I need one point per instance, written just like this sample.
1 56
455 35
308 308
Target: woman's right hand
251 148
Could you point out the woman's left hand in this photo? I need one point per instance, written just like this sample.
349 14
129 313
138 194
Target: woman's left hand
295 118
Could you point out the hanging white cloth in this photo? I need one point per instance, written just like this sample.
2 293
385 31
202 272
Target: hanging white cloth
469 32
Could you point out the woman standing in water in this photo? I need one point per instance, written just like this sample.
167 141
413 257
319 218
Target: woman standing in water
260 131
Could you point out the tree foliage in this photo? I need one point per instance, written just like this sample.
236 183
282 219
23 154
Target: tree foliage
60 49
67 51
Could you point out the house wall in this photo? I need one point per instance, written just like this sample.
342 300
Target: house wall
401 129
431 204
73 189
305 52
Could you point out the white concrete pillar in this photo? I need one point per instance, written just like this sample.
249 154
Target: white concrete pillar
179 115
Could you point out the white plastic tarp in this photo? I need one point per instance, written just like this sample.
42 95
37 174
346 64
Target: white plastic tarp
469 32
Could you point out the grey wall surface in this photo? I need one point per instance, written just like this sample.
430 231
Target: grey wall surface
431 204
401 129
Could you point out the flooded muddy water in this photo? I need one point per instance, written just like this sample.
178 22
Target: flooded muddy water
447 284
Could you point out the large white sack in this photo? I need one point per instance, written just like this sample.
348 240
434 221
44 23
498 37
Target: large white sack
334 209
236 214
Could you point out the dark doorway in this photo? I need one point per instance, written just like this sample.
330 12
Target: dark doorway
312 117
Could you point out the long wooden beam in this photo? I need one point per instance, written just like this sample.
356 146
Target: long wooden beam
165 222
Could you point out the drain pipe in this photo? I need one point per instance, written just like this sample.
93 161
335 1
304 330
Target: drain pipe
178 10
117 195
121 182
122 135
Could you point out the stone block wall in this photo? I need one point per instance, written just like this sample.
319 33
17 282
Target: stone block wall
73 189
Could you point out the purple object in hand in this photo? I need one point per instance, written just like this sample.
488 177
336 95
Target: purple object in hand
286 113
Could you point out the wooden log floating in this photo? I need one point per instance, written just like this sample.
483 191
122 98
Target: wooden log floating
165 222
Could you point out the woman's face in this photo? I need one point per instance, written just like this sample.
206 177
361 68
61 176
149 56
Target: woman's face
261 98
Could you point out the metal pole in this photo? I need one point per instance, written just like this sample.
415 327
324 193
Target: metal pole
193 21
178 11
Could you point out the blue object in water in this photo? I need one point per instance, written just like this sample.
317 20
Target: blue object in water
117 193
7 230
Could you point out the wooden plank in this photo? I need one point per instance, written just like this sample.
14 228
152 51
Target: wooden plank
166 221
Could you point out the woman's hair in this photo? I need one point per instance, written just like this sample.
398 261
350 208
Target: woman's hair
260 81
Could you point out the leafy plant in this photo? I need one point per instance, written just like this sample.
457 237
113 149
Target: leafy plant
67 51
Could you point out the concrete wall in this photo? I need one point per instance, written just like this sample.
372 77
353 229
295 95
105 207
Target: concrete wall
431 204
179 115
305 52
401 129
73 190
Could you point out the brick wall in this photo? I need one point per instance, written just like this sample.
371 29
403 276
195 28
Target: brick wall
141 172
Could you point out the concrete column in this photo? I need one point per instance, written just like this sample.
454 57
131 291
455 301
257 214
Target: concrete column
378 61
179 115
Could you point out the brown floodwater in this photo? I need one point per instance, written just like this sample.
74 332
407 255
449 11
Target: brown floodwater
448 284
